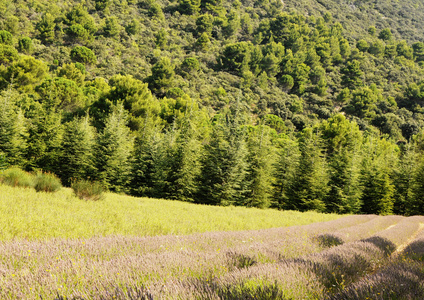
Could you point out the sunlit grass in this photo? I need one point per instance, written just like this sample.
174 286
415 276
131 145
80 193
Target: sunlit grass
24 213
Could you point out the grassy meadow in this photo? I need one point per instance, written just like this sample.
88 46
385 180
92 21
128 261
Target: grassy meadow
26 214
56 246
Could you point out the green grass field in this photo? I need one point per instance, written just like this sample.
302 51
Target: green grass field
27 214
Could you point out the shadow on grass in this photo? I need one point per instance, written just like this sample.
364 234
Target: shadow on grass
328 240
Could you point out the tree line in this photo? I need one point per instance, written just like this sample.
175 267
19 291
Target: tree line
214 102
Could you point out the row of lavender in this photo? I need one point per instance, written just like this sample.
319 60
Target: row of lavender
313 261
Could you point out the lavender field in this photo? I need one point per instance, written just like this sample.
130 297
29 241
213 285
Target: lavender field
354 257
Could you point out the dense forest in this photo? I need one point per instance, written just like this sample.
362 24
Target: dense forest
303 105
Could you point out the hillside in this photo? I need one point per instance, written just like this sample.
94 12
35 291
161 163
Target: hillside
404 18
292 105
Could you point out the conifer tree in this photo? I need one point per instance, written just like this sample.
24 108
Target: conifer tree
78 158
13 131
224 166
376 181
404 178
261 168
310 187
114 149
342 140
285 172
45 132
415 201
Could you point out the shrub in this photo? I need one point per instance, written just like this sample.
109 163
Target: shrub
83 55
17 178
88 190
47 182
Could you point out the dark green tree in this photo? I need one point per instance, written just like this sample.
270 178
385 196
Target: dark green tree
13 131
113 152
46 28
376 176
83 55
352 75
342 140
78 151
224 166
310 188
6 37
261 160
162 77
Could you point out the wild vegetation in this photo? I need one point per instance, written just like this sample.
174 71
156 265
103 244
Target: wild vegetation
30 215
353 257
299 105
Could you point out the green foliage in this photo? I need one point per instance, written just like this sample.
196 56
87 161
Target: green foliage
385 34
224 166
309 190
236 56
77 155
190 7
6 37
17 178
342 141
175 70
260 170
46 28
83 55
378 188
352 74
79 15
87 190
25 73
47 182
204 24
162 77
102 4
8 54
78 33
73 71
61 94
13 131
113 153
112 27
25 45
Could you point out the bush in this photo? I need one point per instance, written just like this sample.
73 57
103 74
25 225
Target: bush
47 182
83 55
17 178
88 190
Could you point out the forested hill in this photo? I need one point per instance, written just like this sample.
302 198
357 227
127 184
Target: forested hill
295 105
404 18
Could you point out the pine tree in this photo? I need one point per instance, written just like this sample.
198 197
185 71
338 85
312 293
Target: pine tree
310 187
13 132
342 140
404 178
261 168
285 172
45 138
114 149
376 181
415 200
224 166
77 158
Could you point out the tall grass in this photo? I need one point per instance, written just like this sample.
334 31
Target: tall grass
31 215
16 177
87 190
47 182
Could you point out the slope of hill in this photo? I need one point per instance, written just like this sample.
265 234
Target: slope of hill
405 18
220 102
